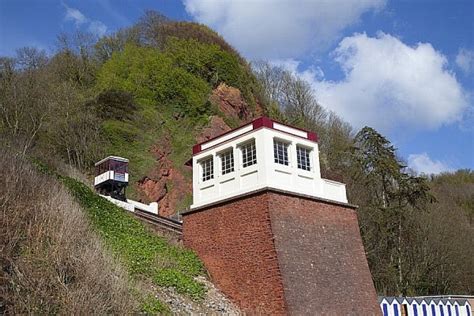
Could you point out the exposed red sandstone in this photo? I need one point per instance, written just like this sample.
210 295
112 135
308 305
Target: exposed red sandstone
216 127
230 101
154 187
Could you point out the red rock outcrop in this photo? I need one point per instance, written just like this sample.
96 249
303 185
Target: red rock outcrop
155 186
216 127
230 101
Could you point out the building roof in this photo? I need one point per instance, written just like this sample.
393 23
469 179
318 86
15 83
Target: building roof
116 158
261 122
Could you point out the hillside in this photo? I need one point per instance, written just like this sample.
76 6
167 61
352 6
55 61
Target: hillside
150 91
81 254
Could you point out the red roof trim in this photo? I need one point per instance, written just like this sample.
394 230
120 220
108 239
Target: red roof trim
196 149
313 136
262 122
256 124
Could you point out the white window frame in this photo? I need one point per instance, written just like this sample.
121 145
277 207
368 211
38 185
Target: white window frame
252 156
276 158
223 156
309 151
202 163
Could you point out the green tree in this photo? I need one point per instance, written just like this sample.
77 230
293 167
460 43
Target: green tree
390 198
151 78
212 64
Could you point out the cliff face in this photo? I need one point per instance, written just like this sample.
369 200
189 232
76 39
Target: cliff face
164 183
171 186
230 102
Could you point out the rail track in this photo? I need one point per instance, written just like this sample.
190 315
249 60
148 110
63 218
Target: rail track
163 222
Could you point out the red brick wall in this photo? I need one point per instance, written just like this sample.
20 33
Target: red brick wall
235 242
321 258
276 253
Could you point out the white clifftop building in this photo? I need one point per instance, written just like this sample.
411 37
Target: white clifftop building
260 154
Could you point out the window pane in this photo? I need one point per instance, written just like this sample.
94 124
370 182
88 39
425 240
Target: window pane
280 152
302 155
207 169
249 154
227 160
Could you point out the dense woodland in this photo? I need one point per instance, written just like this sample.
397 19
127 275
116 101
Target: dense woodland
120 93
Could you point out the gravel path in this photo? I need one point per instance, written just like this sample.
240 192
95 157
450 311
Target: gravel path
215 303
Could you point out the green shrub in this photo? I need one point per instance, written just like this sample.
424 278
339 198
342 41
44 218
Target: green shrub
152 306
152 79
183 283
201 33
209 62
114 104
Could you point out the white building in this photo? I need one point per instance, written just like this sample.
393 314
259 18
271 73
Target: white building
260 154
111 168
111 179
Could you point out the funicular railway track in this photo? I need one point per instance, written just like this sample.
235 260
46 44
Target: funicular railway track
162 222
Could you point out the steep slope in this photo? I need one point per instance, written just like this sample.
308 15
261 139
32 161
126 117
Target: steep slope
65 250
51 260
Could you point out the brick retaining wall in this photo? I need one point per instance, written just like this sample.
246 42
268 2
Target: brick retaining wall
278 253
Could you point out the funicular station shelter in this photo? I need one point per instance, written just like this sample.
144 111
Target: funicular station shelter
261 154
111 177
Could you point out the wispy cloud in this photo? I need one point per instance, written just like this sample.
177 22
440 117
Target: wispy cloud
423 164
111 10
97 27
465 60
93 26
75 15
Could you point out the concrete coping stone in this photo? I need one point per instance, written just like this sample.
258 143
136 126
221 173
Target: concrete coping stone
273 190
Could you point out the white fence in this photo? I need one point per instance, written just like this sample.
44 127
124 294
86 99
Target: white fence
131 205
426 306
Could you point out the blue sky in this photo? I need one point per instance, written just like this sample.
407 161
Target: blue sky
403 67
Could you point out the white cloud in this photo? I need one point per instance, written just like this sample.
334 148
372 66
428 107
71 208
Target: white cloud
422 163
389 84
75 15
95 27
279 28
289 64
465 60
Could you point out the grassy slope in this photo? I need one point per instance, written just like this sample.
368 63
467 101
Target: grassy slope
51 260
144 254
